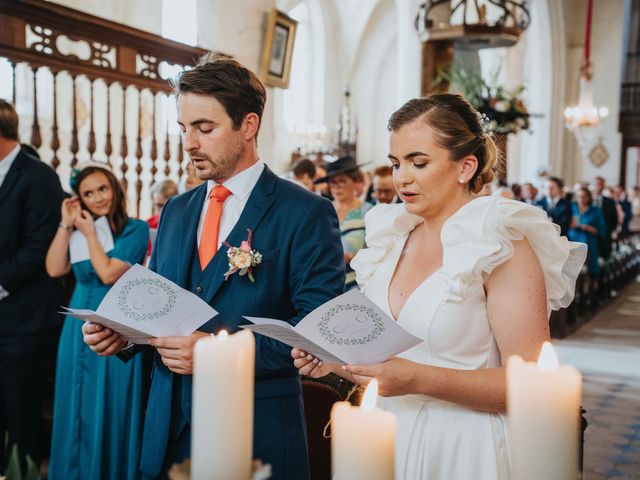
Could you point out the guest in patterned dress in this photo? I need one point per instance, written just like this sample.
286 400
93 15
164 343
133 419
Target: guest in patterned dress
97 418
342 176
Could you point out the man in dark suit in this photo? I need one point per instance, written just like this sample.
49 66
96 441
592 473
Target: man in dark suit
220 104
610 212
557 207
30 198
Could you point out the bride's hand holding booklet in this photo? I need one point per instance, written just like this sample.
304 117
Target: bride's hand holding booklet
350 329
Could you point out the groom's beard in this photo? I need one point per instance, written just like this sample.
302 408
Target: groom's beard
223 167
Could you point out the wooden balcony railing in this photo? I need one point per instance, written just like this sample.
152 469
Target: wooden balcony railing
94 89
630 99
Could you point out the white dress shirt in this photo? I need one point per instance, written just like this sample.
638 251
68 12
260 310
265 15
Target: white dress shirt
6 162
5 165
240 186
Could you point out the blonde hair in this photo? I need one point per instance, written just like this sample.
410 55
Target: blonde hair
458 129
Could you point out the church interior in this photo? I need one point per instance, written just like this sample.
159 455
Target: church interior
557 83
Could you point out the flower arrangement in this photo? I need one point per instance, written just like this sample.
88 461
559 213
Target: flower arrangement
242 259
503 111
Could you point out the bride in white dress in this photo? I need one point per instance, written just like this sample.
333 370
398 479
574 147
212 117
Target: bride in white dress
475 277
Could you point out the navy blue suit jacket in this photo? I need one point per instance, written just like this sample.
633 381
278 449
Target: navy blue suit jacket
30 199
298 236
560 214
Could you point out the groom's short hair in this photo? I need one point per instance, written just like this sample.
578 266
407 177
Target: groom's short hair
236 87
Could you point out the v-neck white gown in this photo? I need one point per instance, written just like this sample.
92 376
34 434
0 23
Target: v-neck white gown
439 440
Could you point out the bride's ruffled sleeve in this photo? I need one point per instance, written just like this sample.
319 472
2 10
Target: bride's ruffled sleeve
504 221
385 224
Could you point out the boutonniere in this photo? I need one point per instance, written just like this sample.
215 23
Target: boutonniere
242 259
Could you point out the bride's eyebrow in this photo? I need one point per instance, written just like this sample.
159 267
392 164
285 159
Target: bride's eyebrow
411 155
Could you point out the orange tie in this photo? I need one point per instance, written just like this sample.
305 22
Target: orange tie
209 237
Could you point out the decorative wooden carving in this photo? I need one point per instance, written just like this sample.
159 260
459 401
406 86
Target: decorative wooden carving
40 33
92 134
154 144
108 147
55 140
111 48
167 146
124 149
75 147
139 154
36 139
180 158
147 66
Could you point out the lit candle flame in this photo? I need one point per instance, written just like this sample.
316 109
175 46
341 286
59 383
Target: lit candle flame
223 335
369 397
548 360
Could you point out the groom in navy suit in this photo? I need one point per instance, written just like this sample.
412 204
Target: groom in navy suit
220 104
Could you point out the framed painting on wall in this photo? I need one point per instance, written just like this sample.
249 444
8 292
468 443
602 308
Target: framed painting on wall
278 49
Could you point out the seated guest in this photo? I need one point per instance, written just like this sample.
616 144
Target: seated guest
191 180
557 207
504 192
160 193
516 188
529 193
382 189
97 415
588 227
30 198
634 198
611 219
621 197
362 183
342 176
304 171
321 188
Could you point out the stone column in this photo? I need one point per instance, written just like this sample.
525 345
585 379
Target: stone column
237 28
409 62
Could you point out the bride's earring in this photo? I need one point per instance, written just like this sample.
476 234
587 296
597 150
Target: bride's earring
461 180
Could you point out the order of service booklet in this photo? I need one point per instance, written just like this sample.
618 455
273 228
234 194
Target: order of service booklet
350 329
143 304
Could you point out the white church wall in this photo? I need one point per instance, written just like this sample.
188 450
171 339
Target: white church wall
606 56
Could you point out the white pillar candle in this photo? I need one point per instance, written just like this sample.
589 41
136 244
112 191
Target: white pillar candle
222 408
362 439
543 408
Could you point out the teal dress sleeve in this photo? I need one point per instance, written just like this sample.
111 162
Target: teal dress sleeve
131 245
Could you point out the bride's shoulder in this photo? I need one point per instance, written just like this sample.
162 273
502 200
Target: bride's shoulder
385 224
388 220
480 236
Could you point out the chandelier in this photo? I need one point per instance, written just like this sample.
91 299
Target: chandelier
468 24
584 118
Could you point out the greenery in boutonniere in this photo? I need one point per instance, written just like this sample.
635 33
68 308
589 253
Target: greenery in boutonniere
504 111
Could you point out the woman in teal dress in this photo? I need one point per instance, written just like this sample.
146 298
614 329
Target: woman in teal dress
588 227
97 417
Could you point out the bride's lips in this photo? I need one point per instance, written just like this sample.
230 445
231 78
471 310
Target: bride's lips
409 197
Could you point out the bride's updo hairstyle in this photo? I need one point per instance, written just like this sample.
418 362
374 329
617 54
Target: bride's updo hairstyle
458 129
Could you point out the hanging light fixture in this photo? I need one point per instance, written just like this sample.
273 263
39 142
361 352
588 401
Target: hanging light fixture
472 28
584 118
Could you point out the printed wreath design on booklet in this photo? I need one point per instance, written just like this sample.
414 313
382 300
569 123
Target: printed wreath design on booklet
365 328
155 299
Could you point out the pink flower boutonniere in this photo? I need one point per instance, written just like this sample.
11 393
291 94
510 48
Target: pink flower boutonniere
242 259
